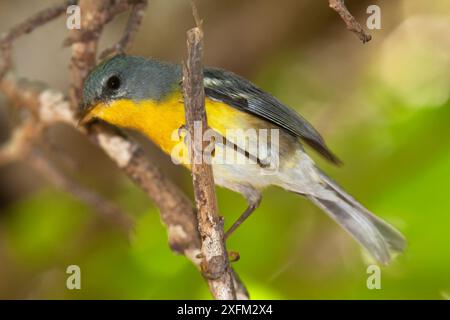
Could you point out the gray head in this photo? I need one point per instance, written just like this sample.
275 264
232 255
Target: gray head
130 77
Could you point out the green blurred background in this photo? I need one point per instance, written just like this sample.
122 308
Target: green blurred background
383 107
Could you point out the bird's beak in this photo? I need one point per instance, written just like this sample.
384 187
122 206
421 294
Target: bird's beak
86 115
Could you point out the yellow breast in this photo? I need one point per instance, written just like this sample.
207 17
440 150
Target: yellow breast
161 120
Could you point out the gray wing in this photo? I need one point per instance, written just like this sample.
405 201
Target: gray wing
241 94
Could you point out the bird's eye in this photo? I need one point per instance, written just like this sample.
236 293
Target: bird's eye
113 83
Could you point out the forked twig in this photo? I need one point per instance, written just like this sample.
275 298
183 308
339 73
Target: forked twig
349 19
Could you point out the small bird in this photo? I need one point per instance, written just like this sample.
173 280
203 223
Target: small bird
146 95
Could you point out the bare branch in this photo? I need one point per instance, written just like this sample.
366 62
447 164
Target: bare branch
215 264
25 27
350 21
36 20
110 11
134 22
49 106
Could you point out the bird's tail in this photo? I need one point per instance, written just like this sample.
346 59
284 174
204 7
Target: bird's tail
378 237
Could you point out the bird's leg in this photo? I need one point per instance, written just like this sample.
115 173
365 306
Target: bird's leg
253 203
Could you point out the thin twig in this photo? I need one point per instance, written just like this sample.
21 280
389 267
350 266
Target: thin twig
134 22
108 12
195 14
25 27
35 21
215 264
349 19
